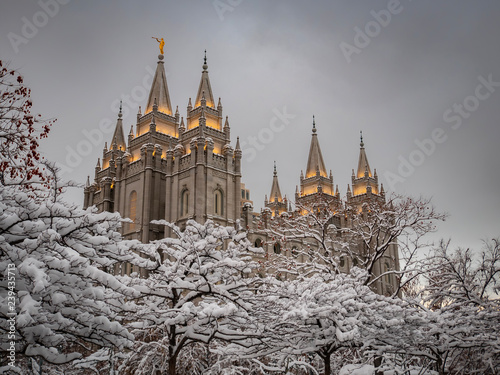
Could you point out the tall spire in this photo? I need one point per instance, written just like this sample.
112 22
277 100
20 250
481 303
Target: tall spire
205 88
363 164
118 135
315 159
275 189
159 91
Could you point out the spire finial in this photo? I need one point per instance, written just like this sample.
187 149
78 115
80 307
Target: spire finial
275 172
205 66
361 144
314 125
120 112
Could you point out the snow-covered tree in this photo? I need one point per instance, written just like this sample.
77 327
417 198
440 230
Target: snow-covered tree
201 290
461 296
64 300
58 302
313 317
20 130
314 240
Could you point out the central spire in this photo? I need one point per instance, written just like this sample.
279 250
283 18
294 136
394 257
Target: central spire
315 160
205 89
159 91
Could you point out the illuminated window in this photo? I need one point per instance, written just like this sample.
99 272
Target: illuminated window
132 213
184 202
218 204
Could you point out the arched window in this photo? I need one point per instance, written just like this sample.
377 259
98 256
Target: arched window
342 261
184 202
258 242
218 203
132 209
277 248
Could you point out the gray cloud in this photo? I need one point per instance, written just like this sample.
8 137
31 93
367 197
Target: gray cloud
267 55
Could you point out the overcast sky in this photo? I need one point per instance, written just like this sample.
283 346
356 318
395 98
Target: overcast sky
421 79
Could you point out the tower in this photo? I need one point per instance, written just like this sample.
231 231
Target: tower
170 169
364 185
276 202
316 187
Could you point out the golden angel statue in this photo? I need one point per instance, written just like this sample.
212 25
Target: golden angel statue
162 43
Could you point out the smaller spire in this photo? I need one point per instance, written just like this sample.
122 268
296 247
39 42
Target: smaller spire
98 163
182 123
138 112
219 105
155 106
131 130
177 110
87 184
238 143
189 104
226 124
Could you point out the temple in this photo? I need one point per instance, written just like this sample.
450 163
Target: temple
177 168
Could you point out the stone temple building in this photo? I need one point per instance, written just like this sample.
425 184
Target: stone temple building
175 168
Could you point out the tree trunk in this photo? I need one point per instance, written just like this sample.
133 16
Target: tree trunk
172 363
328 369
377 362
